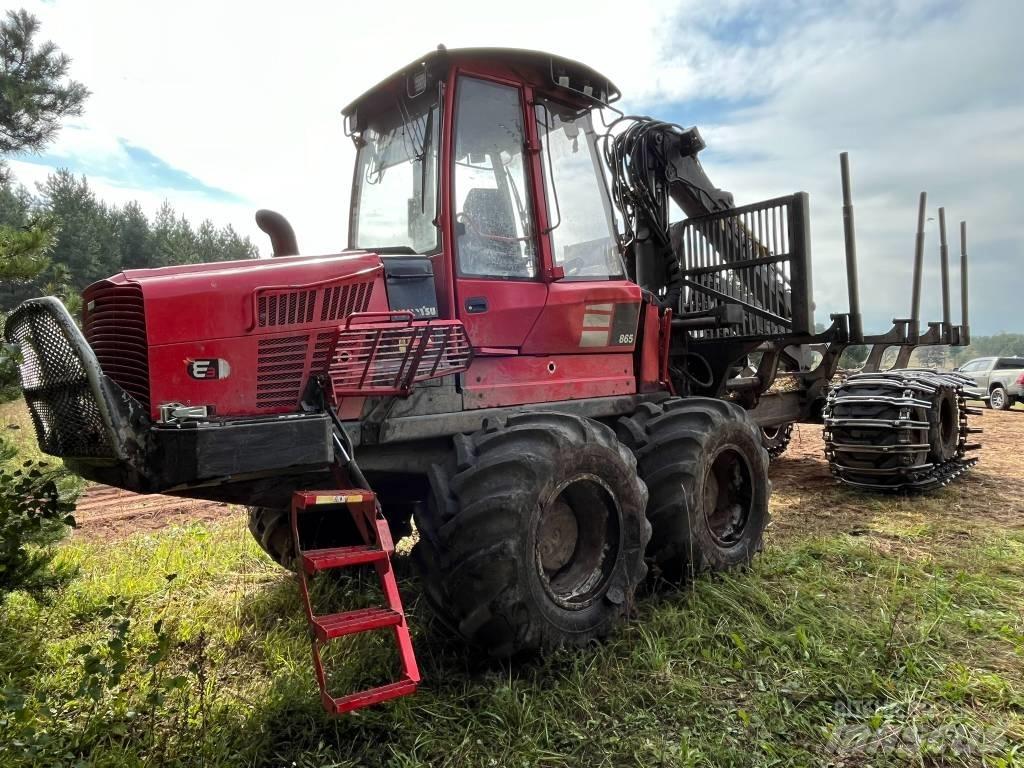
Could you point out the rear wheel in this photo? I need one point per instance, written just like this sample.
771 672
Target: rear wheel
535 535
998 399
707 474
776 439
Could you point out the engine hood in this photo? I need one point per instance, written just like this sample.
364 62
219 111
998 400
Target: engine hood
219 300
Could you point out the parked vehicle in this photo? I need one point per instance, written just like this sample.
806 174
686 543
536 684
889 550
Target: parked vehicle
999 381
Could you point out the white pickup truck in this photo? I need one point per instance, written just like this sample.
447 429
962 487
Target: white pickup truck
999 381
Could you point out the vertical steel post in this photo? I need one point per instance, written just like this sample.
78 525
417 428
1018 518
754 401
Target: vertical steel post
849 237
965 323
944 265
915 302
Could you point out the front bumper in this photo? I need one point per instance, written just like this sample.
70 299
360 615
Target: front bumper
104 434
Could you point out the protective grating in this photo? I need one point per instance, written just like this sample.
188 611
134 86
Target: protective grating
115 327
280 370
382 358
64 410
755 257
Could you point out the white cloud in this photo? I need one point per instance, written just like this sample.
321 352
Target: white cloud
925 95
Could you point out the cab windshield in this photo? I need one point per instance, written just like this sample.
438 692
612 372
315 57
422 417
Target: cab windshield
394 199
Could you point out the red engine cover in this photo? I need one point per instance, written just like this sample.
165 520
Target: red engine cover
242 336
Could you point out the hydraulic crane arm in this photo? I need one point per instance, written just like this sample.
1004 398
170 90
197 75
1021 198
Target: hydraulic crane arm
652 163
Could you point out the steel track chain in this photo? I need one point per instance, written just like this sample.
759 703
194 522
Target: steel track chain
910 388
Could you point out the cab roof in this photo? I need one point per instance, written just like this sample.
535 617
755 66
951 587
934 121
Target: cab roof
541 68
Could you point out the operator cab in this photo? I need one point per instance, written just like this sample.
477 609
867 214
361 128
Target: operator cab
483 166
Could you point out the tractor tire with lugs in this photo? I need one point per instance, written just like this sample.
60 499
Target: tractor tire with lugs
535 534
776 439
707 474
898 430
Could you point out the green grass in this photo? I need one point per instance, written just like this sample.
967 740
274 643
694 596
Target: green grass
833 649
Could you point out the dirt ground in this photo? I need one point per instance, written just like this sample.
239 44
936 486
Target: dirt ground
798 478
103 512
806 499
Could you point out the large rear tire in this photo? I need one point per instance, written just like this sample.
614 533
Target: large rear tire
707 474
535 535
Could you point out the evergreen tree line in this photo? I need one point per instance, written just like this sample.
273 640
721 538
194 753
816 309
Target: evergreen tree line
90 239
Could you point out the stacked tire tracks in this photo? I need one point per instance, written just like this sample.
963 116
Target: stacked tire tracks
899 430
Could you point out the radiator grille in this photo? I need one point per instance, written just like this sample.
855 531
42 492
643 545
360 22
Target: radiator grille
115 327
283 307
342 300
280 371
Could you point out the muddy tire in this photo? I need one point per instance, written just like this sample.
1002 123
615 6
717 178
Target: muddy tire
776 439
534 536
272 529
707 474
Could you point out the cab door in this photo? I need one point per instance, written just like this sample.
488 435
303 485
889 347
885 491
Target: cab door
498 286
591 306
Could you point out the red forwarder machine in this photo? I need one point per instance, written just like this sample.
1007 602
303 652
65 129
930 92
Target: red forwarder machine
555 404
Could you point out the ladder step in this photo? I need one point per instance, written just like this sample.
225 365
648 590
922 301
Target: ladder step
316 560
369 697
332 625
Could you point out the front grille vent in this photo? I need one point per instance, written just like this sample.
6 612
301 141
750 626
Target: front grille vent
115 327
285 308
280 369
342 300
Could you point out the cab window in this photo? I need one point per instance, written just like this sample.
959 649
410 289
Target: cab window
494 232
583 239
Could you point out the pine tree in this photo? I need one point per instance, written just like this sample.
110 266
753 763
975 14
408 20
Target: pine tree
35 93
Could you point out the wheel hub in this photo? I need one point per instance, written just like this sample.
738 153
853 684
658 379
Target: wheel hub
577 541
728 496
557 536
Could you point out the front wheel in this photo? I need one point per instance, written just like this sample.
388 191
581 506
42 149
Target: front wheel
707 474
272 529
535 534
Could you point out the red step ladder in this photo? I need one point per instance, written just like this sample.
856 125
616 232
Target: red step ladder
377 551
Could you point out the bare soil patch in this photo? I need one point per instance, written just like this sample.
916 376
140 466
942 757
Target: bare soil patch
807 500
106 513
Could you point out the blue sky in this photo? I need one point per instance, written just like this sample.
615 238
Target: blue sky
223 108
132 168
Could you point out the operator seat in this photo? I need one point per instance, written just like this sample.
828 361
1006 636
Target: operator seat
481 251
